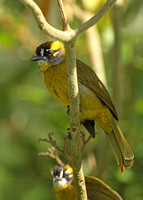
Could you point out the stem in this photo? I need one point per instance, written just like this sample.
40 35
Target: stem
63 15
95 19
74 120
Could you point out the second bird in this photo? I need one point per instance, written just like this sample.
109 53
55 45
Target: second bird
95 101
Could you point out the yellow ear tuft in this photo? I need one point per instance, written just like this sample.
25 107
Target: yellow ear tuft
68 169
56 45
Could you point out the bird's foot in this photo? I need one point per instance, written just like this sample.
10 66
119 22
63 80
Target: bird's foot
82 112
69 134
82 133
68 111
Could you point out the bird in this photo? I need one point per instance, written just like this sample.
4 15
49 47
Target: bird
64 188
95 102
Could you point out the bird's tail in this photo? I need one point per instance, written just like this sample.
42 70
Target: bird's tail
97 189
121 148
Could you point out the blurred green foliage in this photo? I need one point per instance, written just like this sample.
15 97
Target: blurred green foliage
28 112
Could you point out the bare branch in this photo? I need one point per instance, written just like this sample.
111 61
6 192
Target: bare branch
74 120
95 19
44 25
55 149
85 143
52 153
54 144
63 15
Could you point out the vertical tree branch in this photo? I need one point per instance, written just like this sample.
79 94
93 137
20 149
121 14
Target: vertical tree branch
74 120
74 110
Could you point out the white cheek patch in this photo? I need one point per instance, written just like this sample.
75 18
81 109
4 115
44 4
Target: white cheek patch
60 184
42 52
68 171
61 173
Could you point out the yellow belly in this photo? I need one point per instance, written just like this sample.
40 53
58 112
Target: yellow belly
66 194
56 81
93 108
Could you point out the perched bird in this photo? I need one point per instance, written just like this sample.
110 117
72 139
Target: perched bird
95 101
64 188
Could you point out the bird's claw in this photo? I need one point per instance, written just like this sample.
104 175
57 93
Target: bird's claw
69 134
68 111
82 112
82 133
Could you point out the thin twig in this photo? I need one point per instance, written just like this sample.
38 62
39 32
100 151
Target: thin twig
52 153
54 144
63 15
64 138
85 143
44 25
95 19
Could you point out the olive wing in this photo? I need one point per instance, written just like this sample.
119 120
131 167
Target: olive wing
88 78
98 190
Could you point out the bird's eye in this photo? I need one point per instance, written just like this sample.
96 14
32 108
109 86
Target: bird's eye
49 52
66 174
41 52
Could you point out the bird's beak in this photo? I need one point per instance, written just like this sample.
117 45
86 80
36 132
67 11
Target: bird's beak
35 58
57 179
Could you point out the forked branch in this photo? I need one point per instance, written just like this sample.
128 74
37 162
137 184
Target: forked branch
64 150
44 25
65 36
54 150
52 153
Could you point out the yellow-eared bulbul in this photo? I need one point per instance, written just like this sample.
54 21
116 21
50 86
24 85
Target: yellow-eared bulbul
64 188
95 101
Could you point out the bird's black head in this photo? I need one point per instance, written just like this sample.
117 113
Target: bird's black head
52 52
